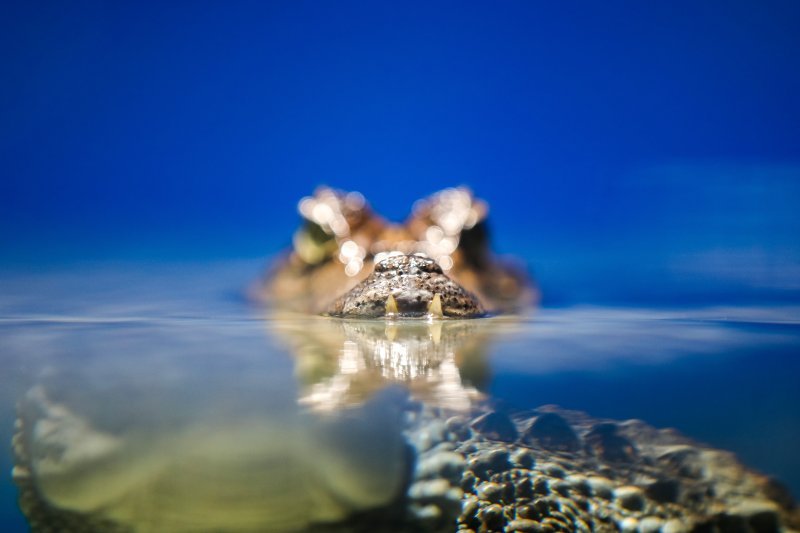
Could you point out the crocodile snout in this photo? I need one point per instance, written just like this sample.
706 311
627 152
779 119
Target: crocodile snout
407 286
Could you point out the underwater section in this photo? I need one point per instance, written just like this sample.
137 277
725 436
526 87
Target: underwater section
232 418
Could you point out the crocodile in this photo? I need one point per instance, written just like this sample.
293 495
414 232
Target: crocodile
347 261
344 454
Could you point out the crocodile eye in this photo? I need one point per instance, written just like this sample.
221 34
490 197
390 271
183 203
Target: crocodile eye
330 216
312 244
474 244
448 221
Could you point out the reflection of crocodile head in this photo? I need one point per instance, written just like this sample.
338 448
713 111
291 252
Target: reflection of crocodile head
344 362
442 248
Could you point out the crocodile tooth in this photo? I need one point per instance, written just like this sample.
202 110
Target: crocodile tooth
391 306
435 307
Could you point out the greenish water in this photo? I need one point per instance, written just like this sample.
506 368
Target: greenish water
160 396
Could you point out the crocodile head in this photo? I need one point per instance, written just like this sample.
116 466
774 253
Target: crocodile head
407 286
346 254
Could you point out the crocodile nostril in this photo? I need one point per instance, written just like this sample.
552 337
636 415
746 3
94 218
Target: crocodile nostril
407 286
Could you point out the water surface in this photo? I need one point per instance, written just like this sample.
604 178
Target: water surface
160 388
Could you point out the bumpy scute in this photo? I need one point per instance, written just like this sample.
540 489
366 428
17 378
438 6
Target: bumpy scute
407 286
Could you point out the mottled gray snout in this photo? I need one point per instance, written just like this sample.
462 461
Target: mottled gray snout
407 286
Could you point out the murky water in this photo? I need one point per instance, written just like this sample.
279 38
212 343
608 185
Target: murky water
156 398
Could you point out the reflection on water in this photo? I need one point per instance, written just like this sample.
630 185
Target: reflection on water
240 423
344 362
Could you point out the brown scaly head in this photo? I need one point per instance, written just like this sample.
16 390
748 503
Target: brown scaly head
442 248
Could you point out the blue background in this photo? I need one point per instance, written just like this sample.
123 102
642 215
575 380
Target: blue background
630 151
643 153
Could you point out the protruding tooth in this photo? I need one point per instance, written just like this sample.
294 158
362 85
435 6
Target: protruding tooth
391 306
435 307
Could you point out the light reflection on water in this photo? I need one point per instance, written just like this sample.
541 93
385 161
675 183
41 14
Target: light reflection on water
203 416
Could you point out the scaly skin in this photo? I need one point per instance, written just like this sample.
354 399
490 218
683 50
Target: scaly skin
407 286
